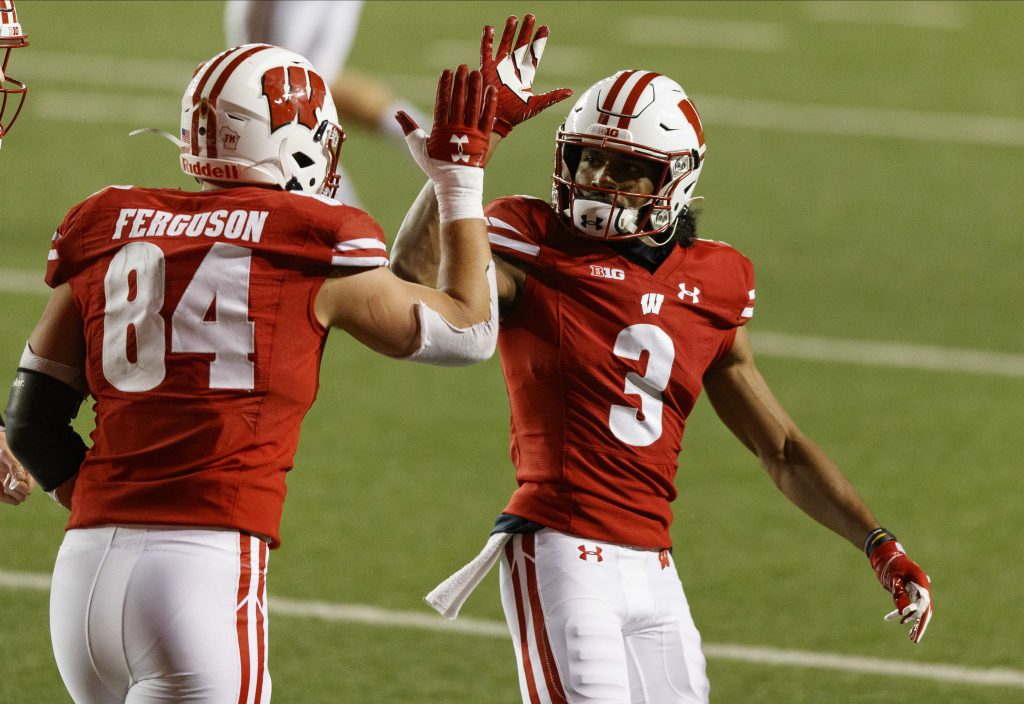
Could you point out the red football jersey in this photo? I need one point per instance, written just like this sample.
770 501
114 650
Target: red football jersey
603 361
202 345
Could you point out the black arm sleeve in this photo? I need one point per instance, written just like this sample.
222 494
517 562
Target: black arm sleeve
39 433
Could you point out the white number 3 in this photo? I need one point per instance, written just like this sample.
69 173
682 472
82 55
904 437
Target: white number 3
625 422
134 288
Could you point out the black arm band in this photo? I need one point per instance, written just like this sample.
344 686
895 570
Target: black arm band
876 538
39 432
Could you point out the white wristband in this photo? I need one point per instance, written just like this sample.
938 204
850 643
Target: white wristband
460 192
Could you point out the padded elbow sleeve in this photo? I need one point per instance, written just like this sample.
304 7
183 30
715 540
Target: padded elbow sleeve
444 345
39 433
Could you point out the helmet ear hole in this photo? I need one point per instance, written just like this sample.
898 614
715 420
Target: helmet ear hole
302 160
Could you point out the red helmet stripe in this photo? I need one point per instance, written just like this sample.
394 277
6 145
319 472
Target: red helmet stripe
210 68
200 85
634 97
693 118
613 93
211 118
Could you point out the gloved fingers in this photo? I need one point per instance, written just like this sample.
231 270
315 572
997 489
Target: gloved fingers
525 31
507 35
442 98
406 122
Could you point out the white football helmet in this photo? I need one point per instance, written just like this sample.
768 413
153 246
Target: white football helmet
12 91
261 114
643 114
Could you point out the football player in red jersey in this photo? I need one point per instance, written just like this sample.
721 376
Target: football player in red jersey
614 316
12 91
15 483
197 321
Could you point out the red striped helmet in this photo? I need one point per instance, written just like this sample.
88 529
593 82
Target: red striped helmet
642 114
12 91
261 114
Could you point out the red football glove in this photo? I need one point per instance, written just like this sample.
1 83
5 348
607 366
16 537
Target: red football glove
908 584
453 155
512 72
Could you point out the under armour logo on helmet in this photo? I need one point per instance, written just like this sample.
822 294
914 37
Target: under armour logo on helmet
597 222
458 140
596 552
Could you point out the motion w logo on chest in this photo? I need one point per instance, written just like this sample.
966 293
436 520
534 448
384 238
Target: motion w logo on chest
651 303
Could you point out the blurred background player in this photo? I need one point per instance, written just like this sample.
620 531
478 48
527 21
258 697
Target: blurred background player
197 321
15 483
323 31
12 91
614 316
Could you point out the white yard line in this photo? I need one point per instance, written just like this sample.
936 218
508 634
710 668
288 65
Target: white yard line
774 344
887 354
426 620
917 125
920 14
706 33
945 128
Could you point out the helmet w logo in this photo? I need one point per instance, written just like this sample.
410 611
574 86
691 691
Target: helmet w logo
294 101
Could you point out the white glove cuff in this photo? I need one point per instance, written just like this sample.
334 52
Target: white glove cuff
460 192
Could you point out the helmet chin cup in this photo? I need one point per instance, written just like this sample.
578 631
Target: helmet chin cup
600 220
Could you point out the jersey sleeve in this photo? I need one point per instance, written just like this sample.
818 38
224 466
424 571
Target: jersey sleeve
65 257
725 281
347 237
512 230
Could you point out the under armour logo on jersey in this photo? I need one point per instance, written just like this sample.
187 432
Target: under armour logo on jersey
458 140
597 222
596 552
651 303
694 294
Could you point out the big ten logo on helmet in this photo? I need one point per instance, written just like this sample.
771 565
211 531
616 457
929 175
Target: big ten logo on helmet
294 96
604 272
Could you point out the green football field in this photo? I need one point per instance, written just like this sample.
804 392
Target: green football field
868 157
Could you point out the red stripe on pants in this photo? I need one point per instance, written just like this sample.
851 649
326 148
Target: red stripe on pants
242 614
524 641
540 631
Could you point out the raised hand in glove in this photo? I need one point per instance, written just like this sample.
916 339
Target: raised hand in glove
909 585
512 71
452 156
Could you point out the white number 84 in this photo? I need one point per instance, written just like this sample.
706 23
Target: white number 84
222 280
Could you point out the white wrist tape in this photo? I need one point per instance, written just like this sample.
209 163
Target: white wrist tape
61 372
444 345
459 188
460 192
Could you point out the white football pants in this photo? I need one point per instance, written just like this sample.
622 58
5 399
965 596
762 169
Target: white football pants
161 615
597 623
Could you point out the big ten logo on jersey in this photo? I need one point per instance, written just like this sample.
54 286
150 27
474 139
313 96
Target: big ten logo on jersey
295 99
605 272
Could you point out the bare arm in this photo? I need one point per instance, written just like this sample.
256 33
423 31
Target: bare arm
799 468
416 252
378 308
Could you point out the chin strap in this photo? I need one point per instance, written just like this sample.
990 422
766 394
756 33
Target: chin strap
153 130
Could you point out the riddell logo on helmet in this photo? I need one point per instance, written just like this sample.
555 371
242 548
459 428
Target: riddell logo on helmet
228 172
